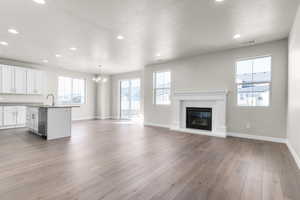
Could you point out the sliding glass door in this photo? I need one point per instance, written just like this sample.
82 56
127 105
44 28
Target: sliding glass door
130 98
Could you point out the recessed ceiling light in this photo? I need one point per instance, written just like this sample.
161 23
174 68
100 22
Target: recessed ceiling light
13 31
158 55
3 43
120 37
58 56
45 61
40 1
236 36
219 1
73 48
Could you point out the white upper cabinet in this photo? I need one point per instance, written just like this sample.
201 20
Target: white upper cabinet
8 79
30 81
40 80
20 80
35 81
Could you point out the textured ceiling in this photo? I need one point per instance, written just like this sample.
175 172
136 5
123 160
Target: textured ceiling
171 28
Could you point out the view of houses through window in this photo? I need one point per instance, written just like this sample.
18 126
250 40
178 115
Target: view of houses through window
162 87
253 79
71 90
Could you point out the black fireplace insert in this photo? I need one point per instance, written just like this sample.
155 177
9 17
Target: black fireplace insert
199 118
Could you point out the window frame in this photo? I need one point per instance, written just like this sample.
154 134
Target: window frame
72 79
269 82
154 87
120 95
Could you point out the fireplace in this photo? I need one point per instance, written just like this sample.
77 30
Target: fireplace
199 118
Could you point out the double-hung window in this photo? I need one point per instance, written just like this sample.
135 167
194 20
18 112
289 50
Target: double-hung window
71 90
162 87
253 80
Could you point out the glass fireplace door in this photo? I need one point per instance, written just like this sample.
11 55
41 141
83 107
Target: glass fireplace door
130 98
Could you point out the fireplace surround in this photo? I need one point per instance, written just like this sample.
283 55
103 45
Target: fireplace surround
215 100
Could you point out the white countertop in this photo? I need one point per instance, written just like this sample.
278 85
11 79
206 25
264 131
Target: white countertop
55 106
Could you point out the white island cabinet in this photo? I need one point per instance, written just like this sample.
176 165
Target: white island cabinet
51 122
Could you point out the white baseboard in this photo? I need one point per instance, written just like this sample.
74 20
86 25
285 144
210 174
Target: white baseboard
197 132
294 153
257 137
156 125
83 118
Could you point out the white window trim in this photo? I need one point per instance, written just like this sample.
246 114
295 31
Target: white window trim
154 87
72 78
270 83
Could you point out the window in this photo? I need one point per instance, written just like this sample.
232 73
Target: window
162 87
130 98
253 79
71 91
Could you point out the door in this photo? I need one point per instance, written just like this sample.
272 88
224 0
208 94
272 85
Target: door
20 80
130 99
8 79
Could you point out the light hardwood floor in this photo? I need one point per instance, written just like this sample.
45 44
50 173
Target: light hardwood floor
119 160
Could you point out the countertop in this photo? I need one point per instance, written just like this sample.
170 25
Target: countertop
55 106
21 103
36 104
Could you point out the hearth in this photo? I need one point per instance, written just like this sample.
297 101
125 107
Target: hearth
199 118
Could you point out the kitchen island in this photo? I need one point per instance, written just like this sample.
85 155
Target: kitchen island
50 122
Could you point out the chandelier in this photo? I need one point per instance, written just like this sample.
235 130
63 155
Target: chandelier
100 76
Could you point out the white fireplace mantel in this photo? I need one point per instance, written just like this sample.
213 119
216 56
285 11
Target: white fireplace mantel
206 99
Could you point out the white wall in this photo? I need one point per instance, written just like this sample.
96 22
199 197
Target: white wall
86 111
116 91
293 125
104 99
216 71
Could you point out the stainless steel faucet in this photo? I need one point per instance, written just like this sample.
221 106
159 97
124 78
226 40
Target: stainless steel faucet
51 95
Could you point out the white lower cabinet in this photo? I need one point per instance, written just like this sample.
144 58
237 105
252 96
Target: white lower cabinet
9 116
12 116
32 119
21 115
1 116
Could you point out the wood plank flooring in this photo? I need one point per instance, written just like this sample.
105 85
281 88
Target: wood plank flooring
113 160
